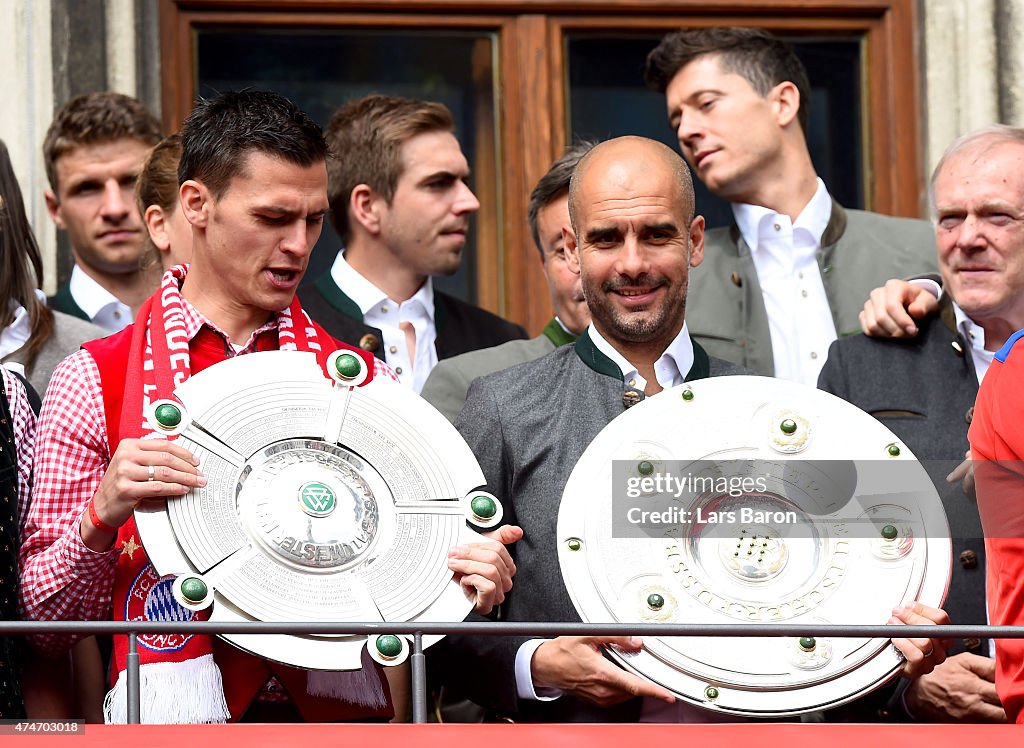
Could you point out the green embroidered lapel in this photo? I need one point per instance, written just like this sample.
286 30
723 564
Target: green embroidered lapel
336 298
592 357
557 335
600 363
701 368
63 301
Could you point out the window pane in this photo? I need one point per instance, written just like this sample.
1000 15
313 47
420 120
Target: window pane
321 69
607 98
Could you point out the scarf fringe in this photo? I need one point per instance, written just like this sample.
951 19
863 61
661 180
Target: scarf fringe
173 693
359 687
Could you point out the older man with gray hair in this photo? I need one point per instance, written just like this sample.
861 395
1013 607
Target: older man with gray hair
924 388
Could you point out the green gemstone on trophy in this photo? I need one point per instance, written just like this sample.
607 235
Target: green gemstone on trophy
711 693
687 395
194 590
483 507
389 646
645 467
574 544
808 643
893 450
167 415
788 426
655 601
347 366
889 532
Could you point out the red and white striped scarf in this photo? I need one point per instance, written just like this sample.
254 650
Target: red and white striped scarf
180 682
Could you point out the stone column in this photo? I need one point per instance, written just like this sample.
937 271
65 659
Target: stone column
960 71
973 68
26 108
1010 60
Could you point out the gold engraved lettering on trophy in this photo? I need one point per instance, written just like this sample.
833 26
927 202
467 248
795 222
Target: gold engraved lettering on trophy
780 611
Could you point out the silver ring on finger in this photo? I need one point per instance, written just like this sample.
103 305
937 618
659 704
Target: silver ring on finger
150 473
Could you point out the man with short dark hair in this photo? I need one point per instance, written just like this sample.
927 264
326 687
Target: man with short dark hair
792 274
448 383
254 189
93 152
400 202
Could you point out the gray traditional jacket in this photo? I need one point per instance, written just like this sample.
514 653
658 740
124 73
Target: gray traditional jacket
528 426
860 251
69 333
449 381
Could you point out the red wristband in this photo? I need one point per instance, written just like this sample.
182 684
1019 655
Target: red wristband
97 522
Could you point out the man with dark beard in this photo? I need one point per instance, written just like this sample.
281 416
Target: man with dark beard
634 238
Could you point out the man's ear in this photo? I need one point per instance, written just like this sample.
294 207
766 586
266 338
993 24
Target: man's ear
53 207
785 99
572 250
696 241
156 224
196 201
366 207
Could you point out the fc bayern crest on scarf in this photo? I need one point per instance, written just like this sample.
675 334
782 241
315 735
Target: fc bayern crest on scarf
151 598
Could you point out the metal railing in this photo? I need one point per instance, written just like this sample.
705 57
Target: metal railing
416 631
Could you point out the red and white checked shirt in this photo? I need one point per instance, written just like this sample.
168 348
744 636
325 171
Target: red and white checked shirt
62 579
23 421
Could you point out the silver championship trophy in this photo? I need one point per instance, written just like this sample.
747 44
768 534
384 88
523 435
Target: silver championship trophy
326 501
752 500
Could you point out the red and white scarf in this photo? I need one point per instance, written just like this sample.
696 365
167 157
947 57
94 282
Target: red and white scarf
180 682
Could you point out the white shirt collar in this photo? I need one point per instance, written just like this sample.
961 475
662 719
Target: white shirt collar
366 295
103 308
754 220
15 335
670 369
974 334
389 316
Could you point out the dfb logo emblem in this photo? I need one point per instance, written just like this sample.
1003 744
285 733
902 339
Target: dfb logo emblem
317 499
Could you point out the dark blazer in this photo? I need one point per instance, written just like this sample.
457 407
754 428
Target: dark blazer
461 327
923 389
63 301
528 426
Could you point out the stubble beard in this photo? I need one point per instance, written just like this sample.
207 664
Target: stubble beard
641 326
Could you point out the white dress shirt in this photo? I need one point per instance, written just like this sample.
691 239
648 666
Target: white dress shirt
974 334
670 369
387 315
104 309
785 256
15 335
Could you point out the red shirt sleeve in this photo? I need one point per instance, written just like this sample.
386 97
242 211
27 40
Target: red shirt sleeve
997 449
